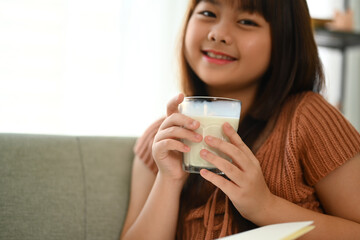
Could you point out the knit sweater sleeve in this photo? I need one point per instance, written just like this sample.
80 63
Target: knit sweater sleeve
143 146
326 139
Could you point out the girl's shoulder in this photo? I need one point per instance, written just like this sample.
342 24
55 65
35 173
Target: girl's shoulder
306 99
310 107
309 114
321 134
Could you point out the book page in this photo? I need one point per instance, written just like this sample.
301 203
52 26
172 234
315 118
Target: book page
281 231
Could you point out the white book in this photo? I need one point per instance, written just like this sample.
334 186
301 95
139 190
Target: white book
281 231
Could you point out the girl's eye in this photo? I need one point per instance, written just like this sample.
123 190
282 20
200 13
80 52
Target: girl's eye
208 14
248 22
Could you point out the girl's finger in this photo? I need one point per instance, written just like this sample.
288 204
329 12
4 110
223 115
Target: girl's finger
228 187
173 105
235 138
171 145
178 119
229 169
178 133
240 159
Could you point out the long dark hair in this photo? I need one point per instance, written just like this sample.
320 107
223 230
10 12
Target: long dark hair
294 67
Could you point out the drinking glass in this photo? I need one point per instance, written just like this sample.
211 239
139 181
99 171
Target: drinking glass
212 113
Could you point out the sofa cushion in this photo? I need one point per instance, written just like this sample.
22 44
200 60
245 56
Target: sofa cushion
63 187
107 167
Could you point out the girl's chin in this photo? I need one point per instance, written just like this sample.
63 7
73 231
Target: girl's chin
219 88
220 82
229 89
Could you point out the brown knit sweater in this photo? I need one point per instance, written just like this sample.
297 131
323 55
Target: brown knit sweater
309 140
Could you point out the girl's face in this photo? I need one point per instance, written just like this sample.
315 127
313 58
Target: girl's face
228 48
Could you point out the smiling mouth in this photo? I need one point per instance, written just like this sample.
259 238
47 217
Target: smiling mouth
218 56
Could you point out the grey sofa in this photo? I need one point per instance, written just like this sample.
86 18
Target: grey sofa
63 187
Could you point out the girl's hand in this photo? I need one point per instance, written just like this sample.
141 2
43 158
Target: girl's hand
167 147
247 188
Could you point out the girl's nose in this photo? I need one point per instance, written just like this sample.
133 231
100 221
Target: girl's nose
220 34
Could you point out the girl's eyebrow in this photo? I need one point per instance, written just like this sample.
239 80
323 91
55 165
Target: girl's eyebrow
216 2
219 2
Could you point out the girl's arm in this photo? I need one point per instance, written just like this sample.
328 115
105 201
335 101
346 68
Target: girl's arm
142 180
153 214
153 207
339 192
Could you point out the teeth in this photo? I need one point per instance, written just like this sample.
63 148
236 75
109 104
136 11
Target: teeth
213 55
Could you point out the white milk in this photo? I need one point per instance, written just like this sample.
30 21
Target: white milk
208 126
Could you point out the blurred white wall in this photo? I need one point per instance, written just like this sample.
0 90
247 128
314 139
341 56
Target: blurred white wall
332 61
352 91
324 9
86 67
107 67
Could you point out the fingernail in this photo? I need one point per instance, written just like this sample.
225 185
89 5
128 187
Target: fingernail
203 152
203 172
227 125
193 124
198 137
180 97
210 139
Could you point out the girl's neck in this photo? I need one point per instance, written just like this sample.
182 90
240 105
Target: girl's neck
246 96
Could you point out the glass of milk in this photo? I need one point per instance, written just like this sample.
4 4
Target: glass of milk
212 113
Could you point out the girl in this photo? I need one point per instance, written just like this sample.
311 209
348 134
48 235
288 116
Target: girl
294 156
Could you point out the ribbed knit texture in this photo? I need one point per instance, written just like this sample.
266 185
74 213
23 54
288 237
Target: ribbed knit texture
310 139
